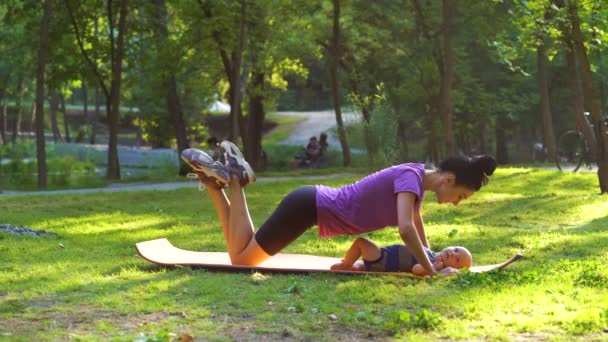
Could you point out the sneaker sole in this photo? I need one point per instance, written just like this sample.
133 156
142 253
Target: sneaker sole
208 171
235 153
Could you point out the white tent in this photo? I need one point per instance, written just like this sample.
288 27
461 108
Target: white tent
219 106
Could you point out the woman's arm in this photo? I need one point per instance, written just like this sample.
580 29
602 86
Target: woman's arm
420 228
408 232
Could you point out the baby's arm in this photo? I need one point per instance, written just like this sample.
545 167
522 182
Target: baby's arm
420 271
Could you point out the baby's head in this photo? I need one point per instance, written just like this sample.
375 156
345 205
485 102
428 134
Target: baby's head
457 257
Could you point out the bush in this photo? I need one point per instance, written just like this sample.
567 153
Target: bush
19 168
62 172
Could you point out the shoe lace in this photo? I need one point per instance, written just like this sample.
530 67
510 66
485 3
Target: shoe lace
201 186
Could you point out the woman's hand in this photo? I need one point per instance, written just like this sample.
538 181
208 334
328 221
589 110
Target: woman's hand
449 271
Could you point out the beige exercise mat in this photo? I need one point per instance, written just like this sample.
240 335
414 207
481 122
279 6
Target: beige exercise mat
162 252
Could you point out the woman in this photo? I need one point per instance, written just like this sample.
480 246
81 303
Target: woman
389 197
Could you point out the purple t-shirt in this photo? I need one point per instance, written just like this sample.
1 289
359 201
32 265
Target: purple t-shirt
370 203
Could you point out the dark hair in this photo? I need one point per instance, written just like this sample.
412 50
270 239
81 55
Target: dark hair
472 172
213 141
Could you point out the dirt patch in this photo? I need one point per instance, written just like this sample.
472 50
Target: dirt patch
82 321
25 231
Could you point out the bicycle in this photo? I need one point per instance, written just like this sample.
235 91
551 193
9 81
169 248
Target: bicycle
573 150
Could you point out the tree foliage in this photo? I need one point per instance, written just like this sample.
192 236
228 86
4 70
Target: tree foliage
442 77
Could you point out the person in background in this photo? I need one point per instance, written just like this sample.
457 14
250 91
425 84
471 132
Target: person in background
214 148
311 151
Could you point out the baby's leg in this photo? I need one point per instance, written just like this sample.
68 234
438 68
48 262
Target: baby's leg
361 247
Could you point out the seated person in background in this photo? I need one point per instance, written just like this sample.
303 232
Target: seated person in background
397 258
311 151
214 148
323 142
317 159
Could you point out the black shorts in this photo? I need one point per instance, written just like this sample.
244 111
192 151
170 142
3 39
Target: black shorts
296 213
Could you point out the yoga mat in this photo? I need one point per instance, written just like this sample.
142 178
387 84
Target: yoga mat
162 252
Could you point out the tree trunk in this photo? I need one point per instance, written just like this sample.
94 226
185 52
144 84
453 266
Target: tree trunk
502 155
235 84
40 67
481 139
96 114
578 101
336 54
366 111
113 171
545 108
370 141
177 119
601 130
448 78
85 105
16 128
32 126
54 105
433 135
402 136
170 84
253 146
66 126
2 117
232 66
4 122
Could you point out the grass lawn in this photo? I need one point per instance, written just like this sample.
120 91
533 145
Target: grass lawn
90 284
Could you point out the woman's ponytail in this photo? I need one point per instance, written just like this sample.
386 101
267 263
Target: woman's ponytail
472 172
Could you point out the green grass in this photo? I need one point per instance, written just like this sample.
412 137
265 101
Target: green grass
89 283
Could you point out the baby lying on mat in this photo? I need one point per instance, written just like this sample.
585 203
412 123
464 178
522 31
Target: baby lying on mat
398 258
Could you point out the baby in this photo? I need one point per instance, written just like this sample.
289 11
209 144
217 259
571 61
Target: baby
398 258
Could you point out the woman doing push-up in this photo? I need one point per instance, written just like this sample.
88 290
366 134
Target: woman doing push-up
389 197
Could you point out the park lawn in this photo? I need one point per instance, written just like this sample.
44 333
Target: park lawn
90 284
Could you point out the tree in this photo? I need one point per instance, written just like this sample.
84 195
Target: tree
274 49
170 85
230 40
545 106
40 67
336 52
115 45
446 70
601 131
578 100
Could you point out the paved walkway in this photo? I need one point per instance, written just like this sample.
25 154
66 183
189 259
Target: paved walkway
316 123
123 187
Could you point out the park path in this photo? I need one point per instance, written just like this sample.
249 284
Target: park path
316 122
130 157
164 186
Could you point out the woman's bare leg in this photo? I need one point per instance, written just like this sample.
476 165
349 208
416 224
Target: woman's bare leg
242 247
222 207
233 214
